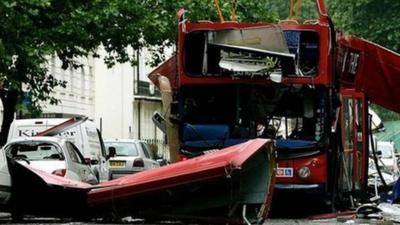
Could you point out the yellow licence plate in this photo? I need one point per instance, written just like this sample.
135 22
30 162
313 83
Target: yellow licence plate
117 164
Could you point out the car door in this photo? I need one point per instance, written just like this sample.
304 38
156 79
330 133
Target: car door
5 179
78 164
104 164
149 160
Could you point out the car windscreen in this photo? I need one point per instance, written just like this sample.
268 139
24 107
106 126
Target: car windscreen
34 150
122 148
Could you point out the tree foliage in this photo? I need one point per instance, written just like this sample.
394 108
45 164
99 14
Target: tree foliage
374 20
33 30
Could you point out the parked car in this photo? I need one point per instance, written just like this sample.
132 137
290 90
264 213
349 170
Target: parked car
128 156
387 162
54 155
387 155
82 132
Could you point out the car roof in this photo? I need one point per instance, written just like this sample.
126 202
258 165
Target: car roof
39 121
123 140
38 138
385 143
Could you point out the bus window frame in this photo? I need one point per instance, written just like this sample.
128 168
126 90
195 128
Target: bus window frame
325 61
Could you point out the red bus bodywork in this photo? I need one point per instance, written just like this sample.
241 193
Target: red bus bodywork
350 72
316 163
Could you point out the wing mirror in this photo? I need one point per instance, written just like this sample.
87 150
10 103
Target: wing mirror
111 152
88 161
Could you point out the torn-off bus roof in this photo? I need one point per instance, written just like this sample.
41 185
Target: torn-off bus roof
370 68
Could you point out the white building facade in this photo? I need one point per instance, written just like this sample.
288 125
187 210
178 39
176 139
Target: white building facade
78 97
120 100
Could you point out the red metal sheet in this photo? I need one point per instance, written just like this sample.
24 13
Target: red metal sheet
370 68
193 170
237 180
205 188
52 131
168 69
51 179
38 193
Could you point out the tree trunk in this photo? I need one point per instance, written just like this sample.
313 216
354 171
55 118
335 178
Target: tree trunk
9 100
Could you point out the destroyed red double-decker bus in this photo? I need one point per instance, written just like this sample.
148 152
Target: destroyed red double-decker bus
232 90
300 84
239 81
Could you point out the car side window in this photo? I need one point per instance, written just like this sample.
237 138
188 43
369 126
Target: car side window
74 153
146 150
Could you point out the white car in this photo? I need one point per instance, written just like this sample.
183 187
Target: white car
54 155
387 156
128 156
80 131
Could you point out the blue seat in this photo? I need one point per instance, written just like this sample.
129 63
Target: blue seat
293 144
204 135
230 142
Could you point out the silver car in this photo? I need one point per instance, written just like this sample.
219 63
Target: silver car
128 156
53 155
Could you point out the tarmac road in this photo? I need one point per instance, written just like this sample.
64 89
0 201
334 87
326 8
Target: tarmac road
268 222
285 210
4 218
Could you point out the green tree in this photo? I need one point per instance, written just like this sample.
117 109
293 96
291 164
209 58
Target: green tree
31 31
374 20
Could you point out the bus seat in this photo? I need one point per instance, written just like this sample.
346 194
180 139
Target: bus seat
293 144
204 135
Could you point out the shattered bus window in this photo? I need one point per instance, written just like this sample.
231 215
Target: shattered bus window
265 51
257 51
279 112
